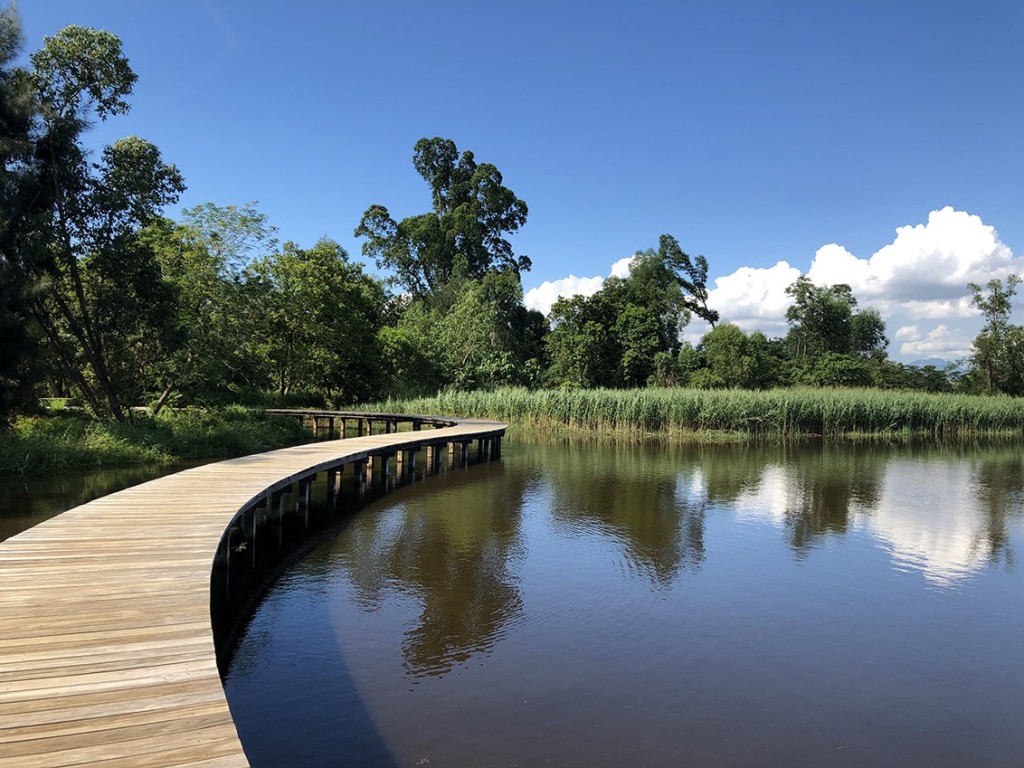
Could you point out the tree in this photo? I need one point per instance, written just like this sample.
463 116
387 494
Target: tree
725 350
81 246
486 338
201 258
582 346
824 319
17 346
999 348
692 276
463 236
622 334
820 318
315 317
736 360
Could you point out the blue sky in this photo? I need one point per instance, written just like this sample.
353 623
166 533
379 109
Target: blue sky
754 132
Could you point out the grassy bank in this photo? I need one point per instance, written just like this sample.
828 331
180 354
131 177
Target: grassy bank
60 441
710 414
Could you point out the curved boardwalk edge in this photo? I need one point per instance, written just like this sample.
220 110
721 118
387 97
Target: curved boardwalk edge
106 649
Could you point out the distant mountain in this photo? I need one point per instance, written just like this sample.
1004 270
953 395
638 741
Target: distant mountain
938 362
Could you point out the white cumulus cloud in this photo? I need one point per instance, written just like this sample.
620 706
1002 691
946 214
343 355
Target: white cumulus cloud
547 293
918 281
622 267
924 263
940 341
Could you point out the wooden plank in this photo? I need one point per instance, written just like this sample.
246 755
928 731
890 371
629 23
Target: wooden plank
106 650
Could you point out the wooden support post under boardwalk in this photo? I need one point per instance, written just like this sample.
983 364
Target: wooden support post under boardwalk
359 472
275 505
303 498
433 459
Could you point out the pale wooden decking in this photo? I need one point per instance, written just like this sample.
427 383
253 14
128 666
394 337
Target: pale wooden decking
106 649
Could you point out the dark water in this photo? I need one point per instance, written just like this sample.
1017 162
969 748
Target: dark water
28 501
589 605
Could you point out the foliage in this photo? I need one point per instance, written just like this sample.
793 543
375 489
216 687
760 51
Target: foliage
487 338
778 413
614 337
314 317
96 294
48 443
463 236
201 259
999 348
17 345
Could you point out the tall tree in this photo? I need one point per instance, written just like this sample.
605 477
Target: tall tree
820 318
692 275
16 111
316 317
463 236
202 258
614 337
83 245
999 348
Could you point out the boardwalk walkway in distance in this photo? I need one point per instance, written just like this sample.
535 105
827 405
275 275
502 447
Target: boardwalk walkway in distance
106 649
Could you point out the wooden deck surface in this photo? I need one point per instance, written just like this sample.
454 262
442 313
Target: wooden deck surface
106 650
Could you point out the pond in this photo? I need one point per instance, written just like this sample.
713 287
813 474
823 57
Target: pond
28 501
586 604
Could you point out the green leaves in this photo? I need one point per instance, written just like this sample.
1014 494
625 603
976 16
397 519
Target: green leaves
461 237
80 68
999 348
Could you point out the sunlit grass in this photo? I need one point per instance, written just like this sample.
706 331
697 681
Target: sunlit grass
55 442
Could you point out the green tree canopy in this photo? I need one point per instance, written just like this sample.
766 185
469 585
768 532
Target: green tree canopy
97 294
463 236
999 348
314 318
824 319
17 347
614 338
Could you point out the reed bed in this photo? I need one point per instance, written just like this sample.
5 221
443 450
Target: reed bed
704 413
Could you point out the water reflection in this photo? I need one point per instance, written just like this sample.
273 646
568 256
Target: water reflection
579 604
28 501
944 512
451 551
633 495
999 485
939 512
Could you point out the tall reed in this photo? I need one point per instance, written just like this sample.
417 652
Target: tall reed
696 412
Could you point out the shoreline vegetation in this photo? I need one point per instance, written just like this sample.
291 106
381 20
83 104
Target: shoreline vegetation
67 440
734 415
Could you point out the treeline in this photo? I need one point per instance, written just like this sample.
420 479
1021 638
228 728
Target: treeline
105 300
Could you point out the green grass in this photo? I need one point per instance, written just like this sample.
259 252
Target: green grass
56 442
708 414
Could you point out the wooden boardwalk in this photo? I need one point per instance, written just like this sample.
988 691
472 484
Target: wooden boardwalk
106 649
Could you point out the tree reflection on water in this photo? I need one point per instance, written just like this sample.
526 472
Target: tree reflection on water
454 551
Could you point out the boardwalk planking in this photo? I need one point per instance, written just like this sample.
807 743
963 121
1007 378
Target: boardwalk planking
106 649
